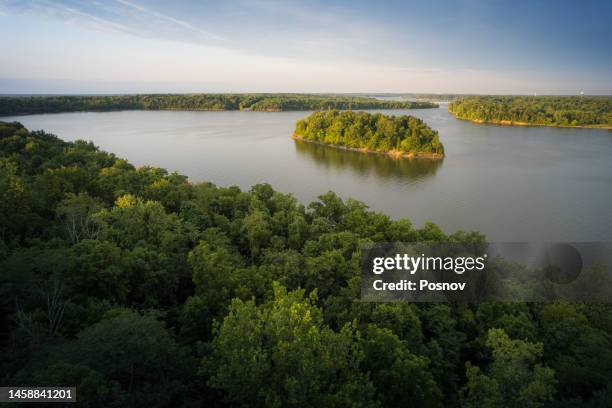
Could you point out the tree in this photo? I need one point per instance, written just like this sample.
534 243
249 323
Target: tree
542 110
137 353
580 353
514 378
77 212
214 275
15 203
401 377
282 354
257 231
98 269
93 388
375 132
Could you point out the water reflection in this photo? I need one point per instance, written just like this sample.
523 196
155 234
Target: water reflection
380 165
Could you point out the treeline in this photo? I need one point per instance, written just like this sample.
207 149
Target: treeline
373 132
592 111
440 97
10 105
144 290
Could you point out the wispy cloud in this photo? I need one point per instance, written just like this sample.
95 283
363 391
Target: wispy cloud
251 27
176 21
121 16
100 22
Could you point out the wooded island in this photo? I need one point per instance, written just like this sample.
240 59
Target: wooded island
22 105
560 111
399 136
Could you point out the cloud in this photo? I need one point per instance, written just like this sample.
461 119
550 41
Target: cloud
318 45
121 16
250 27
178 22
99 22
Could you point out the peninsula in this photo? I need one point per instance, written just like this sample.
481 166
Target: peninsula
397 136
556 111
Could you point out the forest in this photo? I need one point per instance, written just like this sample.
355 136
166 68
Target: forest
403 135
145 290
21 105
584 111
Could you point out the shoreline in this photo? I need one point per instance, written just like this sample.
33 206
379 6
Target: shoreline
392 153
525 124
270 110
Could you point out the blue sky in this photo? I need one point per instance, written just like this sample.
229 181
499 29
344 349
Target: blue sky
464 46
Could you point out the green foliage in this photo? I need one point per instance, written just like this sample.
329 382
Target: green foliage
93 388
282 354
146 366
143 289
514 379
444 342
401 377
536 110
580 352
13 105
373 132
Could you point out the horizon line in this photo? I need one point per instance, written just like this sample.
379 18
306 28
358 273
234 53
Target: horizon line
355 93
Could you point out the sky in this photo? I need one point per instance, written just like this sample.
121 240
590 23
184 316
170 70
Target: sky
454 46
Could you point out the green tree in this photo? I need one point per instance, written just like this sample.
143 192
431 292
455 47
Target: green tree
15 203
257 231
375 132
514 379
77 212
401 377
580 353
282 354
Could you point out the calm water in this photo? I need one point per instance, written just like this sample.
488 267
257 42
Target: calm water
512 183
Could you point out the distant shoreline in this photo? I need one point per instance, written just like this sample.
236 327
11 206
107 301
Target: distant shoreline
7 115
396 154
198 102
513 123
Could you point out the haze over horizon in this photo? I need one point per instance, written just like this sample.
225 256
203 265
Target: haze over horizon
462 46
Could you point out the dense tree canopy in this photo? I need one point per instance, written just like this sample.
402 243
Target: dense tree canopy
18 105
145 290
592 111
374 132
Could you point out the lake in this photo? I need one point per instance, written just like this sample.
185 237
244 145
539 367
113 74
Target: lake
511 183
